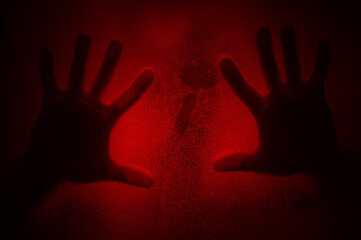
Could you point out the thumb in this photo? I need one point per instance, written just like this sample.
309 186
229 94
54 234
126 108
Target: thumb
131 174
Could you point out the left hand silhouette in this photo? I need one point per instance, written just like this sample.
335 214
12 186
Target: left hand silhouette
70 140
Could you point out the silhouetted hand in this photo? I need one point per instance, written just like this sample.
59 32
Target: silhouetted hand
296 129
70 140
71 136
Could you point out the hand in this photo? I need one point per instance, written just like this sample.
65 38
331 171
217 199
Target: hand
70 140
296 129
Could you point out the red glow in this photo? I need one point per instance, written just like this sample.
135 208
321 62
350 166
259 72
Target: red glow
189 200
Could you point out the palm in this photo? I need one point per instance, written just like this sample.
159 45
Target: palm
71 136
295 125
295 130
78 130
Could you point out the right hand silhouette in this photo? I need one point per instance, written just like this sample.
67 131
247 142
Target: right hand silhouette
70 140
296 129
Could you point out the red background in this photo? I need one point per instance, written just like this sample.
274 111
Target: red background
189 200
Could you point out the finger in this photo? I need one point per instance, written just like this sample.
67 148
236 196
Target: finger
134 92
76 77
234 162
322 63
292 64
131 174
111 58
47 76
239 85
267 59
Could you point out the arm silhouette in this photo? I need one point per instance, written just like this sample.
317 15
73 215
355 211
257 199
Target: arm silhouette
70 140
296 130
